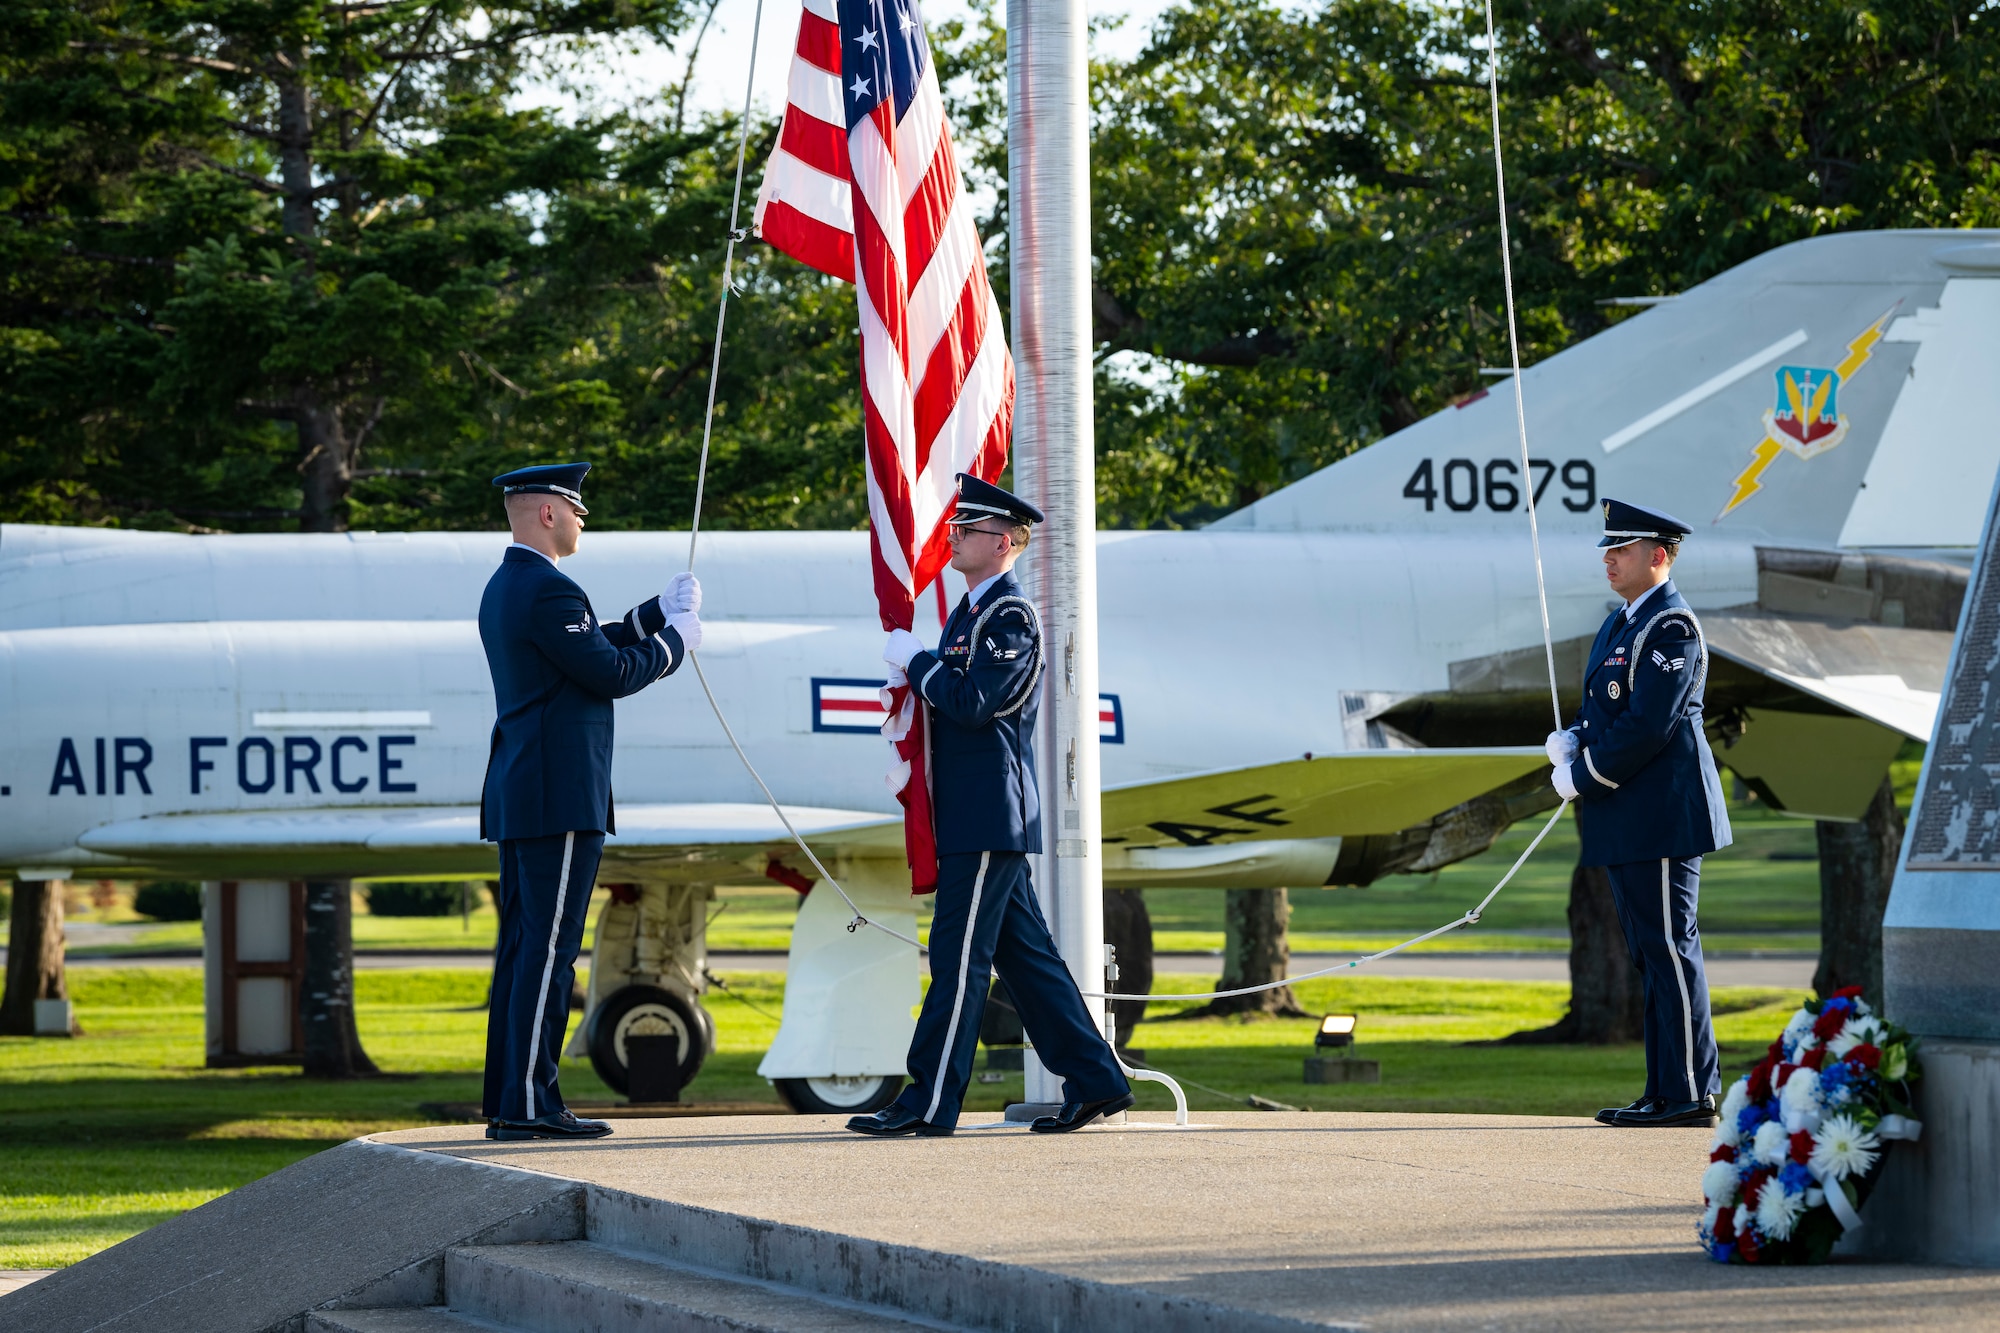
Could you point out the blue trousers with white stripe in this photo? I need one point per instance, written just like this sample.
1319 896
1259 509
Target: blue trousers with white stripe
1656 903
987 920
544 894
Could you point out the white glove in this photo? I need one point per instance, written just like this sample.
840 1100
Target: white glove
688 625
1565 784
683 594
1561 746
902 646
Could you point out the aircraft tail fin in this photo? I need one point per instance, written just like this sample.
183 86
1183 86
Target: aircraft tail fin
1836 391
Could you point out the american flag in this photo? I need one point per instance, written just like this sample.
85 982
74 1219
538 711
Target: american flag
864 186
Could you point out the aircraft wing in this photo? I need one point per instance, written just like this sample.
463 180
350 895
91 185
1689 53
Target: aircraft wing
1354 794
1293 801
444 840
1889 675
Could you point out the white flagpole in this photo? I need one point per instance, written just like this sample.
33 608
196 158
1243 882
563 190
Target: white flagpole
1048 174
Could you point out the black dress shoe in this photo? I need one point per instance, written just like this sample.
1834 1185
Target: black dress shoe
894 1121
1609 1115
556 1125
1075 1115
1664 1114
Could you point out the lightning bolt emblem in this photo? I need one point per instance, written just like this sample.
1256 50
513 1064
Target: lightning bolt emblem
1748 482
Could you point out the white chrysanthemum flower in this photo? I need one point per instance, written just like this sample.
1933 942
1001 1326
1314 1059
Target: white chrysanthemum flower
1735 1100
1719 1183
1801 1092
1867 1027
1843 1041
1726 1133
1842 1148
1772 1145
1799 1027
1708 1220
1777 1211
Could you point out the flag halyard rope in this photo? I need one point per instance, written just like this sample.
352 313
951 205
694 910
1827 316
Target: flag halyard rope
860 919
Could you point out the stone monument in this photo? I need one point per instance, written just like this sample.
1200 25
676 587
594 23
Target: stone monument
1939 1199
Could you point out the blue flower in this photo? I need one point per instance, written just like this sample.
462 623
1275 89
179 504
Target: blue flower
1720 1252
1795 1178
1750 1117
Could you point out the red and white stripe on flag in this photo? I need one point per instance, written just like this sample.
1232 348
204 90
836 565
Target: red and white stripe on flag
863 185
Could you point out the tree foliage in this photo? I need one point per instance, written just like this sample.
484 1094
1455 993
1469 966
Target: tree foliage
314 263
306 262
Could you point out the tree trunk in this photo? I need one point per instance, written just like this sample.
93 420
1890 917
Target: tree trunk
1857 864
326 1000
1255 950
1606 1001
1129 929
34 955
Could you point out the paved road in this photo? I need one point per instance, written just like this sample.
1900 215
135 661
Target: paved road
1793 971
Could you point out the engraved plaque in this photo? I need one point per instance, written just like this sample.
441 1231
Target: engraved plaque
1958 810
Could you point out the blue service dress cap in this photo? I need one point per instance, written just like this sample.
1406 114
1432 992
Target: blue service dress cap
1627 523
982 499
564 479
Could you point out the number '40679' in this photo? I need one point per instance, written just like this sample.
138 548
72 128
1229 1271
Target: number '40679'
1463 484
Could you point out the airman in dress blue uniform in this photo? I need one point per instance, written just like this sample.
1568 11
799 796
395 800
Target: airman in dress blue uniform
1649 803
547 799
981 687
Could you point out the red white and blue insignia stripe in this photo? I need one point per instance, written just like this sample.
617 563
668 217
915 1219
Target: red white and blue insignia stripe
848 705
863 185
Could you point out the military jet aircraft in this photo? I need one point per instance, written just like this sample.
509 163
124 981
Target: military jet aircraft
1341 681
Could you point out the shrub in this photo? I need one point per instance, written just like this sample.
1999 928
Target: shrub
402 898
169 900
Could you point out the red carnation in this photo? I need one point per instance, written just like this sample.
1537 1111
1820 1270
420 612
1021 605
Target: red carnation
1828 1025
1760 1079
1746 1245
1846 993
1755 1186
1725 1225
1802 1146
1814 1058
1865 1055
1723 1153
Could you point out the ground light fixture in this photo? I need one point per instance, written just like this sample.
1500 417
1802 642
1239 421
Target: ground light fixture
1334 1030
1332 1060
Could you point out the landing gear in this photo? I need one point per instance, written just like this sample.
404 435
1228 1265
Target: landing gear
647 1011
839 1096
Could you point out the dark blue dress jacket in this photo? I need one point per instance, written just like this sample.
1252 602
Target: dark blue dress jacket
1645 778
555 672
983 687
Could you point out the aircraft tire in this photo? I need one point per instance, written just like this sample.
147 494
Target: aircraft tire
839 1096
644 1010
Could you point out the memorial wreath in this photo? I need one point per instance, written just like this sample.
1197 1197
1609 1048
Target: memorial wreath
1801 1137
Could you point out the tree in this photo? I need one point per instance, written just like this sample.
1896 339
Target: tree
1128 936
1857 866
1255 952
307 266
34 955
1607 1002
326 996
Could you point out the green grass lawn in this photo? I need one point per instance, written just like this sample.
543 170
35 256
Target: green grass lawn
108 1134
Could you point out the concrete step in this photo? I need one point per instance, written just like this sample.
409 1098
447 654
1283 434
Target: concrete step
409 1319
566 1286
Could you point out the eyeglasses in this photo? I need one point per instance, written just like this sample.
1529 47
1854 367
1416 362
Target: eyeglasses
956 534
